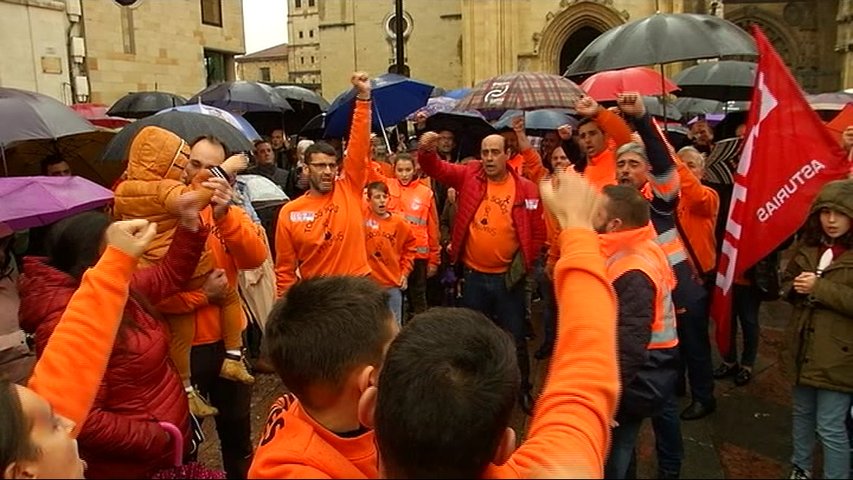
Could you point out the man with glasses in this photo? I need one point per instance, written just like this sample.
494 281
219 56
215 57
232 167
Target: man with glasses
321 233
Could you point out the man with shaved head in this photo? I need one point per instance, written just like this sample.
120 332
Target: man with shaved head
497 234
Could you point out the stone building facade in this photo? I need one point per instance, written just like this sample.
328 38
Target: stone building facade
303 34
268 65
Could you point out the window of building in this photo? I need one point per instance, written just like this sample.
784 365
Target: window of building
211 12
310 3
265 74
128 36
312 60
311 33
298 3
302 60
214 65
301 34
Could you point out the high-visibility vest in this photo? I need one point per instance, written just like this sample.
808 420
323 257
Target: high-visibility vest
642 257
413 203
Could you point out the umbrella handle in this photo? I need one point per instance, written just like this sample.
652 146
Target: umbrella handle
178 439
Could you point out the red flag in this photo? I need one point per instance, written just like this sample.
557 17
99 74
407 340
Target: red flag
788 155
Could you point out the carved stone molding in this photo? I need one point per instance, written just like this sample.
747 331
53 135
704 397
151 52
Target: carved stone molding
567 19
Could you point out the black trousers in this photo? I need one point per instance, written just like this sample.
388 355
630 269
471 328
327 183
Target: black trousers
233 399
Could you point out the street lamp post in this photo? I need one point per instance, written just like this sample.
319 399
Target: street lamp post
400 66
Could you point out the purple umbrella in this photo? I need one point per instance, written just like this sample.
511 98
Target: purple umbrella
35 201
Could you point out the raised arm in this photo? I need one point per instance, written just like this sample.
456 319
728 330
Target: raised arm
450 174
357 159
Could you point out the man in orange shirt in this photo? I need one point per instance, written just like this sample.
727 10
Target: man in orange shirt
447 388
236 243
327 339
320 233
601 133
391 247
498 234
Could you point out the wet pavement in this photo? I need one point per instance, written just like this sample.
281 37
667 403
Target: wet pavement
747 437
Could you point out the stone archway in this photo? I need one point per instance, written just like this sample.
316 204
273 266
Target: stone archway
575 22
779 34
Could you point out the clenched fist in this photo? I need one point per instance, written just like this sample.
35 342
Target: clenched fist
131 236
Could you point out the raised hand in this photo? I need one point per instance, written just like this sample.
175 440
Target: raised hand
361 82
428 141
631 103
570 198
188 205
565 131
518 124
131 236
587 106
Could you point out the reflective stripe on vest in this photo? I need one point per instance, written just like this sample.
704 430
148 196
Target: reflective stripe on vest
672 247
664 333
415 220
419 218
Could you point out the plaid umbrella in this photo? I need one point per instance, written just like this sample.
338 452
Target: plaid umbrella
521 91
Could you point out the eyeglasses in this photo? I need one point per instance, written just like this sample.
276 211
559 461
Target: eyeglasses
324 166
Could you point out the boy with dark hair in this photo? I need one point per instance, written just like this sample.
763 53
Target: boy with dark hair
449 381
326 339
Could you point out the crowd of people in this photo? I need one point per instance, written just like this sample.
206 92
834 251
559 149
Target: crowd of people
403 281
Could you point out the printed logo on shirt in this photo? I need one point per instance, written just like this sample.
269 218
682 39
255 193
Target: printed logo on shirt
416 204
531 203
301 217
372 224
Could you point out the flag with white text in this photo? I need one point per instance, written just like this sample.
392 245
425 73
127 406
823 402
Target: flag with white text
788 155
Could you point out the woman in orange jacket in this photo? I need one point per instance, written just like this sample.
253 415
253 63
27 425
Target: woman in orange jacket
39 423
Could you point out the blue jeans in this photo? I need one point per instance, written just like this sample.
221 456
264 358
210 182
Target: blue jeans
668 441
487 293
821 412
395 303
691 299
624 440
746 302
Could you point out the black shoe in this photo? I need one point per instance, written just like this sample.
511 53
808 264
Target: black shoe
744 375
525 401
698 410
544 351
726 370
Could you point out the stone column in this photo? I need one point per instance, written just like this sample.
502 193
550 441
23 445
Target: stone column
844 43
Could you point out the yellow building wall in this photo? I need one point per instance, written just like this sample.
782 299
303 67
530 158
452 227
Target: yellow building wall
251 71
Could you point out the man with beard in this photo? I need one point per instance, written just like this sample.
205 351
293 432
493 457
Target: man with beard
321 232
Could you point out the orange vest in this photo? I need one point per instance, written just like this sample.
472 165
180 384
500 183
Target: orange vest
414 203
646 256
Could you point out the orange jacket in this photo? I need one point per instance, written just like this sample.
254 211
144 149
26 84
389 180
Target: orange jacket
379 172
415 202
294 445
391 247
236 243
698 207
323 234
601 169
569 434
152 184
68 374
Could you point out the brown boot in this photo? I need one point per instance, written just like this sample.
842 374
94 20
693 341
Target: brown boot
236 370
199 406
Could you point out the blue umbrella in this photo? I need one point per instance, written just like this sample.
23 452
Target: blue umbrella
537 121
235 120
458 93
394 97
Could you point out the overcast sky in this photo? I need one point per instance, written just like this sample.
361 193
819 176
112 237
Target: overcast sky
265 23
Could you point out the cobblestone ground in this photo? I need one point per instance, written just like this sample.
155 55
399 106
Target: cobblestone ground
748 436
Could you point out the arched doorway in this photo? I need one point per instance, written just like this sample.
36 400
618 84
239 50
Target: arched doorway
575 44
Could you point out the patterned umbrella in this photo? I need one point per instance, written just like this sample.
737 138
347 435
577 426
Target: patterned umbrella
606 86
521 91
435 105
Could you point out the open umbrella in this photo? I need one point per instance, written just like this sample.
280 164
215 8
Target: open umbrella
521 91
827 105
394 98
469 129
241 96
537 122
724 80
96 114
187 125
143 104
306 105
690 106
458 93
606 86
236 121
315 128
435 105
663 38
843 120
657 108
35 201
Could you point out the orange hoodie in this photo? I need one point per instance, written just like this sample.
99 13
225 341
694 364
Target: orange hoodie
391 247
68 375
236 243
322 234
294 445
569 434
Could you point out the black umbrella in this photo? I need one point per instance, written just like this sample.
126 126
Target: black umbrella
306 105
315 128
297 96
656 108
724 80
663 38
469 129
262 105
143 104
187 125
697 106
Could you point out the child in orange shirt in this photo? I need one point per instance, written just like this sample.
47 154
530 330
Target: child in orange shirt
327 339
390 246
153 181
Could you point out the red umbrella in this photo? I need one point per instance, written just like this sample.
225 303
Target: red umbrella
96 113
605 86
